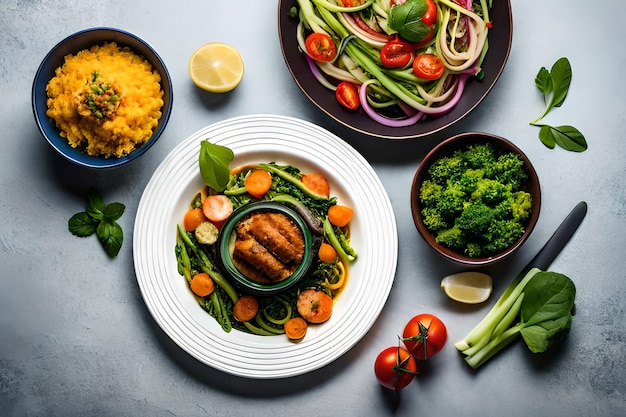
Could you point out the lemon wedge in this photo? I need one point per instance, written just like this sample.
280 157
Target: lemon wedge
216 67
467 287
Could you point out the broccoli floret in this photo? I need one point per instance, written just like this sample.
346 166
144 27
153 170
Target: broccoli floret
446 169
509 170
502 234
490 192
479 156
433 219
452 238
430 192
451 200
521 205
475 220
469 180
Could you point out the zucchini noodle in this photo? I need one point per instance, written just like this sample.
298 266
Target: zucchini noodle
396 97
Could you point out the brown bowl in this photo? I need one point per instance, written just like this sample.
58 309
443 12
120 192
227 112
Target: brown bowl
448 147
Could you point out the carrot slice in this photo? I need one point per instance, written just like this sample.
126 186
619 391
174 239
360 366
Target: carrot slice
217 208
202 284
245 308
193 218
317 183
340 215
315 306
327 253
258 182
295 328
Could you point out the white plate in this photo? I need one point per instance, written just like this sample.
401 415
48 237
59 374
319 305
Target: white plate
266 138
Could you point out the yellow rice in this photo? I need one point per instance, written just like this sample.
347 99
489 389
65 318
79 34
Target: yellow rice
134 81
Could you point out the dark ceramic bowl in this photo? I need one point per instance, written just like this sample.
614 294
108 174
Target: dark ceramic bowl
72 45
446 148
240 280
500 40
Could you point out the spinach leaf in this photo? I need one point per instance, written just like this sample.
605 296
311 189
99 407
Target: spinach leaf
546 310
567 137
561 75
214 161
541 336
543 81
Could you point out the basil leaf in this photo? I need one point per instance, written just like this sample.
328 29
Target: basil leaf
561 74
95 205
406 19
111 236
414 31
214 161
567 137
82 224
543 81
113 211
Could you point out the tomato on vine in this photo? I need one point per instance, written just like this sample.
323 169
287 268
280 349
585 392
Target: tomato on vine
395 368
424 336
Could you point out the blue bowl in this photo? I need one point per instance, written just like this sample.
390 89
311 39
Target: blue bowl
71 45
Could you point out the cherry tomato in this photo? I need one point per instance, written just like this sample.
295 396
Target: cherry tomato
430 15
424 336
396 54
321 47
428 66
395 368
347 95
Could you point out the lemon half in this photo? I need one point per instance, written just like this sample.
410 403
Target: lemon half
216 67
467 287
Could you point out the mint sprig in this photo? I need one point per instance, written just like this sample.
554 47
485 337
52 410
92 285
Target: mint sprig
101 219
554 85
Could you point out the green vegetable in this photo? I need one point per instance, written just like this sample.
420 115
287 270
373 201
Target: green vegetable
473 201
536 306
338 240
101 219
554 85
214 161
406 19
192 259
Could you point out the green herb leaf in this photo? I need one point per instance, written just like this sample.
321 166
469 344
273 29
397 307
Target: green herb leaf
100 219
95 205
541 336
214 161
82 224
543 81
111 236
561 74
546 137
566 137
546 310
406 19
113 211
554 87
